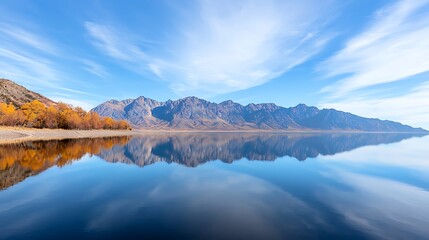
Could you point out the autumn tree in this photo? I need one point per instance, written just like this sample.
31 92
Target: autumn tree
122 124
51 117
10 116
64 110
36 114
6 110
86 121
108 123
95 120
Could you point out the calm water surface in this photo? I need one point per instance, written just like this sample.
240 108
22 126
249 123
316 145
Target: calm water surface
217 186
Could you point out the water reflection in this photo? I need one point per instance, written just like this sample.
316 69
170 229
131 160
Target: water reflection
194 149
20 161
348 192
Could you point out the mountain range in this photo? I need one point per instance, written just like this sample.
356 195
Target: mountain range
10 92
192 113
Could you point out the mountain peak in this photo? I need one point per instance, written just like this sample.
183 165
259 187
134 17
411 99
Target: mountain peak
301 105
143 98
113 101
192 99
228 102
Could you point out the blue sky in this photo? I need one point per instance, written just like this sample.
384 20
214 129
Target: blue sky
367 57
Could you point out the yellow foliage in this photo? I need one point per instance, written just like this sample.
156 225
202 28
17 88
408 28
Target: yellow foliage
10 116
6 109
36 114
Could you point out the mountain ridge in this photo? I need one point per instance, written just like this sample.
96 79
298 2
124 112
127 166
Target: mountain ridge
193 113
11 92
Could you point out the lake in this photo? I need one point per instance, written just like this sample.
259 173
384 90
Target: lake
217 186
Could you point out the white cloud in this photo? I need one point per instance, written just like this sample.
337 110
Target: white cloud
226 46
27 38
23 66
395 46
411 108
235 46
26 56
30 58
95 68
76 91
110 41
121 46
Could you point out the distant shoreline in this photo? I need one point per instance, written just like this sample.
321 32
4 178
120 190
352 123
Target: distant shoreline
17 134
309 131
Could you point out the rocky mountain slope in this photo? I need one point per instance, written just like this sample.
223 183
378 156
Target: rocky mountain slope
10 92
192 113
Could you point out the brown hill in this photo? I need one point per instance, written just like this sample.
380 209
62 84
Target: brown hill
16 94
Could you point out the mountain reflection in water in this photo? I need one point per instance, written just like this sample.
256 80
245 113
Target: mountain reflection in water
342 190
20 161
194 149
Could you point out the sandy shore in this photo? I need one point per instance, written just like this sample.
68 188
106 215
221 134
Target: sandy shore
16 134
12 135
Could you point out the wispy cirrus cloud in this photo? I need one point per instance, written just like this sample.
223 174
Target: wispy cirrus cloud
411 108
393 48
27 67
28 38
121 46
26 56
226 46
238 45
110 41
34 60
95 68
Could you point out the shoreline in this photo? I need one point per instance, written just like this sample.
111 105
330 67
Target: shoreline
18 134
309 131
